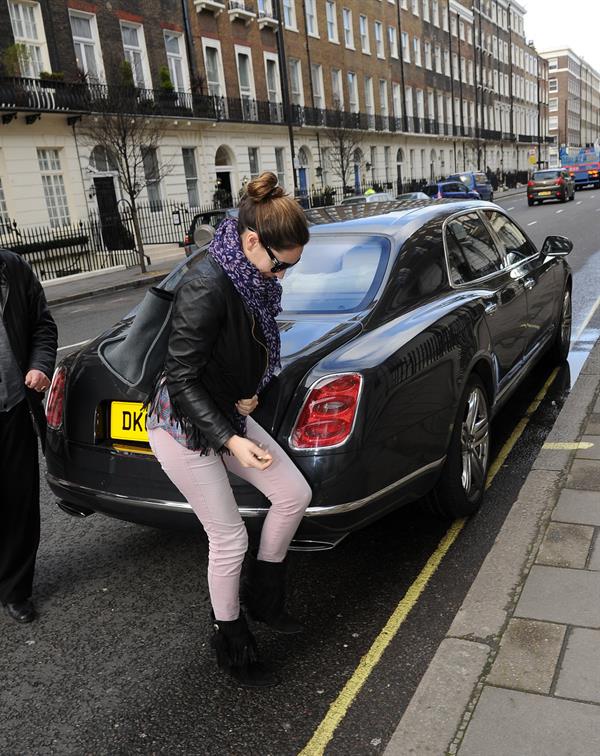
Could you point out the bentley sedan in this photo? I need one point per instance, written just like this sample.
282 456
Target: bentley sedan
403 332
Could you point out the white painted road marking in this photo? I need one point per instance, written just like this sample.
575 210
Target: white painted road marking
579 203
71 346
532 223
508 209
559 211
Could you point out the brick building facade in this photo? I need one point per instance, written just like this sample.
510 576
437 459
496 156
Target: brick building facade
574 101
426 87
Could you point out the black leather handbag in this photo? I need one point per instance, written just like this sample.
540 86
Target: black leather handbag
137 356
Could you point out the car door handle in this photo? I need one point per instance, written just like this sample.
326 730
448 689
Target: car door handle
529 282
491 308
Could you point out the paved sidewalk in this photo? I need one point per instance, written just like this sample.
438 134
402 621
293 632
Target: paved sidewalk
518 673
163 258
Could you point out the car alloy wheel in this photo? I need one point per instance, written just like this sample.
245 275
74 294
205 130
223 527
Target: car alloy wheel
562 341
475 442
461 485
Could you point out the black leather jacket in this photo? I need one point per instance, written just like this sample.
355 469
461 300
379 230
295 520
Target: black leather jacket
217 354
31 330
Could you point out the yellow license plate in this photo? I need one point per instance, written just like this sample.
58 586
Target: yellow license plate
128 421
545 194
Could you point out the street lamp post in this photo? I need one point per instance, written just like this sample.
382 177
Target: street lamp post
285 92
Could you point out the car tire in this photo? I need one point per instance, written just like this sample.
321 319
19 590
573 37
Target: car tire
530 203
461 486
492 197
559 351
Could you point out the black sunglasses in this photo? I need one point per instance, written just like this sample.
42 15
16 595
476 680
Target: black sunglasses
278 265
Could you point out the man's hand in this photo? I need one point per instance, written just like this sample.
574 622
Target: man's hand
37 381
246 406
248 453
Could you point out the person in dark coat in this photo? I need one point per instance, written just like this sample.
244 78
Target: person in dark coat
28 341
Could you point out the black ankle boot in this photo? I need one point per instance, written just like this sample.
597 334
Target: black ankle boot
263 594
237 654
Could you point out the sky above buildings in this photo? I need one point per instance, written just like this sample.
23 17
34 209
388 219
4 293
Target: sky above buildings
555 24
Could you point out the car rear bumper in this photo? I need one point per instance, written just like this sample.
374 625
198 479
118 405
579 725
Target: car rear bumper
321 524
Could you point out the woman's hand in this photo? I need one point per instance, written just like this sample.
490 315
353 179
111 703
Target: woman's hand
248 453
246 406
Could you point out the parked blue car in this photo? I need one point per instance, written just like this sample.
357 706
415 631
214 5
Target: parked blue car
477 182
450 189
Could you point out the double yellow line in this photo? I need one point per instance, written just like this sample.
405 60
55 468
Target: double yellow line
338 709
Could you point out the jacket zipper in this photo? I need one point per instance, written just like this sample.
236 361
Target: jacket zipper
258 341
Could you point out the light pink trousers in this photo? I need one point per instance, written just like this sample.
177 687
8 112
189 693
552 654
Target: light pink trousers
204 483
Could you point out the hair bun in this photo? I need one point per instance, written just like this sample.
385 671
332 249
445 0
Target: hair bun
265 187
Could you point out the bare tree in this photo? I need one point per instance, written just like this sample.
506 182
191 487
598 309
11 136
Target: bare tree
131 140
342 143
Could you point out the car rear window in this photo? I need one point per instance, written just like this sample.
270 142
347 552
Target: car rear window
545 175
336 274
481 178
431 190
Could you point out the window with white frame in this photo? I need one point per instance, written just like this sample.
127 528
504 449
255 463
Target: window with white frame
387 159
420 104
397 99
552 85
447 62
337 90
86 43
455 68
280 165
453 25
383 98
553 104
415 7
352 92
393 41
444 17
437 54
134 47
316 72
427 48
152 176
4 219
215 79
177 61
461 29
426 16
332 27
430 105
348 28
440 108
552 64
363 27
435 13
253 160
54 187
417 51
296 89
273 85
404 4
409 102
191 175
470 77
311 18
245 80
289 14
379 49
405 47
369 104
553 123
28 30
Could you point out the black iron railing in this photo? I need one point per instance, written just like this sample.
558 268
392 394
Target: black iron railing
44 95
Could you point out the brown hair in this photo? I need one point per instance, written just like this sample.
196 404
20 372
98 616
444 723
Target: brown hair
276 217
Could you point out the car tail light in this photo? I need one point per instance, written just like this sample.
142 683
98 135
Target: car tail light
56 396
328 413
530 183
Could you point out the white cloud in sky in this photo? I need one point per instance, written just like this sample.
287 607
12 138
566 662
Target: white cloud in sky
555 23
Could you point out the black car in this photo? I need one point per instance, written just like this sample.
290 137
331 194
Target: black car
550 184
211 218
402 335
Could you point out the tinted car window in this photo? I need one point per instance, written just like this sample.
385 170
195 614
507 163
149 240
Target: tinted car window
516 245
457 187
471 250
545 175
431 190
336 274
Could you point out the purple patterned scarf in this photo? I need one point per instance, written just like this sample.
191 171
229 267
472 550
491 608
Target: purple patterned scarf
262 295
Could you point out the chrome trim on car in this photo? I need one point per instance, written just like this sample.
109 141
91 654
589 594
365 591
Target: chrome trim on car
158 504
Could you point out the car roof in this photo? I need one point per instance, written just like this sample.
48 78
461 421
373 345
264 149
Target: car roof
397 219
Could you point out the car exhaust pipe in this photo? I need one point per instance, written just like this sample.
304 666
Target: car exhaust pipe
74 510
309 544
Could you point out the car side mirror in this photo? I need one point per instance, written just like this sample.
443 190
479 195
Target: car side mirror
556 246
203 234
